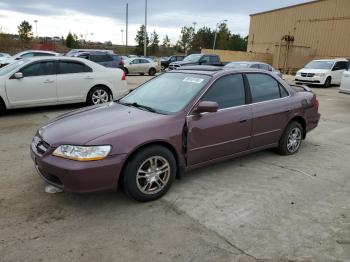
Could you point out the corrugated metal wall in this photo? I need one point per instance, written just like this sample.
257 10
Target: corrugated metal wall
323 27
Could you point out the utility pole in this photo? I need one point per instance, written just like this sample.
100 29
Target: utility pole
122 30
216 31
145 36
126 26
36 28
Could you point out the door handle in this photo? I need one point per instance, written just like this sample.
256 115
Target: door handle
48 81
88 78
243 121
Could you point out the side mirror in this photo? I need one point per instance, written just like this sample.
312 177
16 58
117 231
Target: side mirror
206 107
18 75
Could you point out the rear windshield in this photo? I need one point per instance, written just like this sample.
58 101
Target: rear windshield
320 65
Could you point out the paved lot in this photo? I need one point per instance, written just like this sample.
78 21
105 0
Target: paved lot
258 207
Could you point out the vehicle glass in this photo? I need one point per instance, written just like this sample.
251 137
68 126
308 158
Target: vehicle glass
255 66
39 69
228 91
173 59
193 58
43 54
101 58
263 87
144 61
283 91
320 65
168 93
237 65
27 55
205 59
214 59
179 58
342 65
264 67
70 67
10 67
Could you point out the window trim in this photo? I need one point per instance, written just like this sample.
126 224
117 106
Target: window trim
36 62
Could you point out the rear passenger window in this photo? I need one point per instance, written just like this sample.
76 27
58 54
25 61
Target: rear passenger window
214 59
263 87
67 67
101 58
228 91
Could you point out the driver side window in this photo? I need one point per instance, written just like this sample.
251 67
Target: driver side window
205 59
39 69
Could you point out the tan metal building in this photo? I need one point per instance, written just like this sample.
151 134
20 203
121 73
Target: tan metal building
300 33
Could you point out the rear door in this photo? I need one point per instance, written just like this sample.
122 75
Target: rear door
37 87
225 132
270 109
74 79
337 71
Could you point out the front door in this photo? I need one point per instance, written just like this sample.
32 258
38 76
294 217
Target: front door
225 132
37 87
270 110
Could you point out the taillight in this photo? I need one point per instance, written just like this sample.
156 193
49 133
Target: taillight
316 104
121 62
123 77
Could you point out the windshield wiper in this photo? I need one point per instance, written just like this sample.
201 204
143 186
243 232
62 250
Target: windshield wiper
134 104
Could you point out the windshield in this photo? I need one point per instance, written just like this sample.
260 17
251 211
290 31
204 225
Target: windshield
237 65
168 93
320 65
193 58
10 67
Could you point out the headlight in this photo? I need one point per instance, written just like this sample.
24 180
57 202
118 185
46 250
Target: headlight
82 153
320 74
298 74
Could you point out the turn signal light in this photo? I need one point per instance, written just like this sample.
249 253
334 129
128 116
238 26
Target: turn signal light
123 77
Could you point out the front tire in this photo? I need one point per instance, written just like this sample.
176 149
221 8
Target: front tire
328 82
291 139
99 95
152 71
149 174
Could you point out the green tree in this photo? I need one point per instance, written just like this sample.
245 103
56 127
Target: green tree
238 43
72 40
186 38
223 37
140 39
166 42
204 38
25 31
154 43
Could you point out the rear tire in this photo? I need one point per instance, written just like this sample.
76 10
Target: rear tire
290 141
99 95
2 107
328 82
126 71
149 174
152 71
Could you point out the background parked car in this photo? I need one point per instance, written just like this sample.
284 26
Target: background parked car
102 58
166 62
27 54
141 66
252 64
58 80
197 59
4 56
74 51
345 83
324 72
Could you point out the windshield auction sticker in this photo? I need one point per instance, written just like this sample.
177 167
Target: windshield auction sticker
193 80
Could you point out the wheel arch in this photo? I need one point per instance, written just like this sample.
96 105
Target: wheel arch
301 120
162 143
2 104
99 85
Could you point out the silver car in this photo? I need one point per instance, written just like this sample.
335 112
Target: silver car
141 66
252 64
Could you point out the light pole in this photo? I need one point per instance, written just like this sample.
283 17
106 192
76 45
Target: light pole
145 36
36 28
216 31
92 37
194 26
122 30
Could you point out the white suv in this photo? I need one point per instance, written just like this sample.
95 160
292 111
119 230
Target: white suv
322 72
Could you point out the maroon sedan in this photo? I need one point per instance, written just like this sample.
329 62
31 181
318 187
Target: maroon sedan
175 122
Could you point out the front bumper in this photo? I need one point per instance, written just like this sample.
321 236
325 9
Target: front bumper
315 80
79 177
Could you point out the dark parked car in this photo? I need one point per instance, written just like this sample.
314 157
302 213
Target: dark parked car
197 59
251 64
102 58
166 62
175 122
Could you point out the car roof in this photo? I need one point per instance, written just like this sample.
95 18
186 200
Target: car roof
247 62
39 58
333 60
214 70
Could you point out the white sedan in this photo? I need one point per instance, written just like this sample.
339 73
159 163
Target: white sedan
141 66
58 80
26 54
345 83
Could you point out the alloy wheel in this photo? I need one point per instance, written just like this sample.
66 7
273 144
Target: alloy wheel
153 175
294 140
100 96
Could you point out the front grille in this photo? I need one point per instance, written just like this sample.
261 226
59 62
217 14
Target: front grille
172 67
50 178
39 146
307 74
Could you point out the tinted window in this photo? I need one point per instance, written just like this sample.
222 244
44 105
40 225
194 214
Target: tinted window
265 67
263 87
43 54
228 91
143 61
255 66
205 59
341 65
39 69
67 67
27 55
86 56
283 91
179 58
135 61
214 59
101 58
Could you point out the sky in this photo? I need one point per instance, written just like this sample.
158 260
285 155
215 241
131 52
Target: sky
103 20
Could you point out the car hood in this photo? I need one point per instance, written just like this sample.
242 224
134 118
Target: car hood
7 60
81 126
309 70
